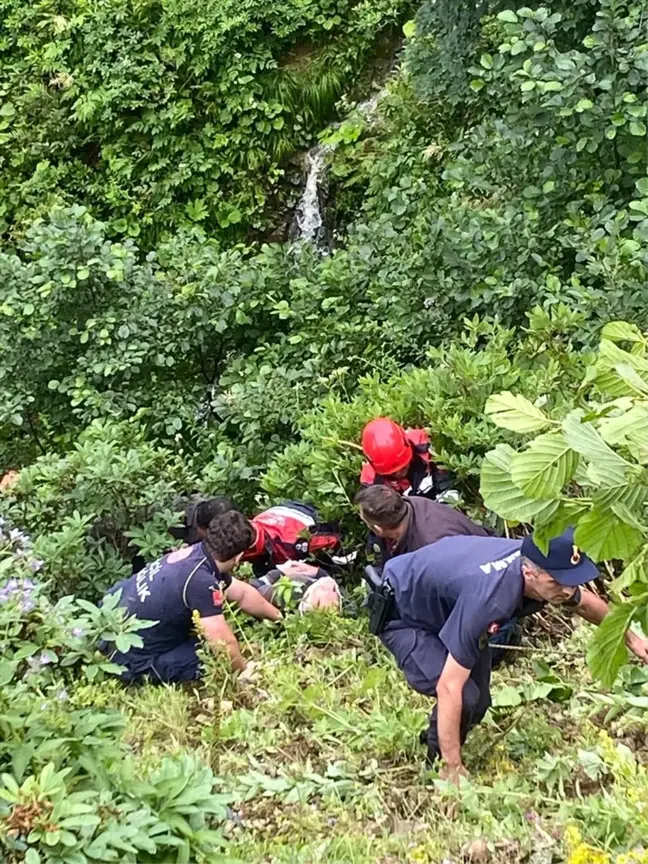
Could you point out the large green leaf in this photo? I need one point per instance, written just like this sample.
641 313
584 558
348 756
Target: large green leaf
608 650
602 536
568 513
614 366
632 378
632 495
515 413
606 467
636 571
629 429
502 496
622 331
545 466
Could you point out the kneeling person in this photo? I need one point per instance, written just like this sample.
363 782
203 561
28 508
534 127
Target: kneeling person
194 579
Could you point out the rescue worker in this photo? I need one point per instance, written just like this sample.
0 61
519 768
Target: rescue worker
400 458
437 606
193 579
198 513
291 531
405 524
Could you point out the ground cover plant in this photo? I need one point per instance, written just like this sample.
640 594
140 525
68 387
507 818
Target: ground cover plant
481 271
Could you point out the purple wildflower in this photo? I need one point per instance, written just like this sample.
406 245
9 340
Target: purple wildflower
77 631
62 695
27 605
45 658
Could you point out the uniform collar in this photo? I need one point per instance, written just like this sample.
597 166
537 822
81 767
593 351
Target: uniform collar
210 558
402 540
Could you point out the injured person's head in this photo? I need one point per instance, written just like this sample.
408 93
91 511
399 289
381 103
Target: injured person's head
324 593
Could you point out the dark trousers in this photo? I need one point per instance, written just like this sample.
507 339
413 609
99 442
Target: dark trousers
180 664
421 657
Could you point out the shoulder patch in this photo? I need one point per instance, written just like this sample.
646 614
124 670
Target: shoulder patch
218 595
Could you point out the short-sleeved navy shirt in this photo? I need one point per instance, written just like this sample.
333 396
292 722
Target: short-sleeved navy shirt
169 591
456 588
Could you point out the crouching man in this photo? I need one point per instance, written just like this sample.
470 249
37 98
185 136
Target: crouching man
439 604
195 579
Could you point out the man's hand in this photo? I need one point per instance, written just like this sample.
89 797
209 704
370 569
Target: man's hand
453 773
638 646
249 673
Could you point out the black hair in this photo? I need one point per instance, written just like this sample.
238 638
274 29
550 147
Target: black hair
229 535
382 506
211 508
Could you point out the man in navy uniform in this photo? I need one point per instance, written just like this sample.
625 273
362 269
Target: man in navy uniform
192 580
448 597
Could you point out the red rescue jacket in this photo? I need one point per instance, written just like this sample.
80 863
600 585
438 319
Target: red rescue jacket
290 532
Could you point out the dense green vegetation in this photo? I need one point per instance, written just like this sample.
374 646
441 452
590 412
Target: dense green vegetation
486 226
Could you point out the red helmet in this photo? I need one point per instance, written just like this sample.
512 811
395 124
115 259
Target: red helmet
386 446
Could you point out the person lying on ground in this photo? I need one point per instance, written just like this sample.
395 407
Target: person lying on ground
281 535
193 580
314 588
446 598
401 459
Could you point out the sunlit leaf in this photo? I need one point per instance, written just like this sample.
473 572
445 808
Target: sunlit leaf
543 469
606 467
515 413
608 652
603 536
502 496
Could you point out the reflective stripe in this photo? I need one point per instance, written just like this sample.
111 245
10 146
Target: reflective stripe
188 580
287 512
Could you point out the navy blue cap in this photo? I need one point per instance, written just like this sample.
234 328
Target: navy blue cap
564 561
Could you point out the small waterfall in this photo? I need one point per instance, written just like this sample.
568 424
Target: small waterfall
308 223
308 215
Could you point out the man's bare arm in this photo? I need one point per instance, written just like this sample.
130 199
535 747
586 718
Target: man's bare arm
218 632
251 601
594 609
449 708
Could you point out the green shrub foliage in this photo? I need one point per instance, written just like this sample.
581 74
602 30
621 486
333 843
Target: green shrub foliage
587 468
169 115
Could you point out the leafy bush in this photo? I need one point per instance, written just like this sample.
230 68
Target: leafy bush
588 469
90 511
168 115
447 395
67 794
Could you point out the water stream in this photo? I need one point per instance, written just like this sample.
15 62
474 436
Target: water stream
308 215
308 221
